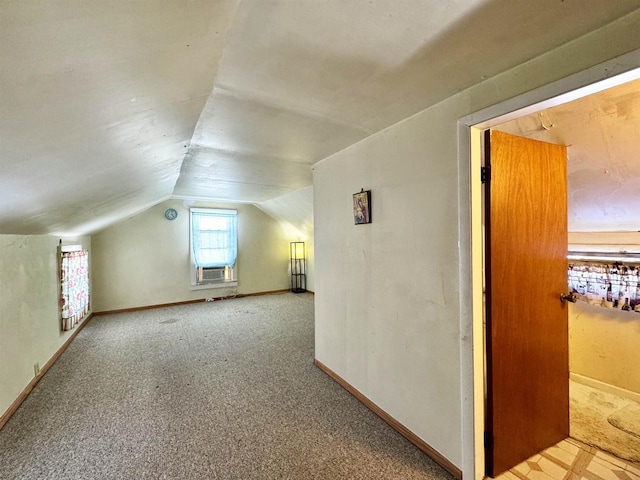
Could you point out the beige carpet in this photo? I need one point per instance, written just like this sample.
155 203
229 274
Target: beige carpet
219 390
606 421
627 419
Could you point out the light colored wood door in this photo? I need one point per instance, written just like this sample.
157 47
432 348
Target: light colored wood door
527 325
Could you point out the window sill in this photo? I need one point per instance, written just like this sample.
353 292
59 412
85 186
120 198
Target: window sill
209 286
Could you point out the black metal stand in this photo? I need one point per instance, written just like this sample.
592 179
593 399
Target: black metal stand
298 267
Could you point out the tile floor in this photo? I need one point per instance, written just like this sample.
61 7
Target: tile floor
573 460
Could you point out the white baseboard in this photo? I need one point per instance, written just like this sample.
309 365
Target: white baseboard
606 387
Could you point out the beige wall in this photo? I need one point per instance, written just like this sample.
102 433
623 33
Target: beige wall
144 260
604 344
294 213
388 305
29 312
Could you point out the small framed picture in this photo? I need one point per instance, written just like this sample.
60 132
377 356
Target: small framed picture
362 207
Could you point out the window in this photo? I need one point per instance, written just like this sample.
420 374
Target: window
214 247
74 284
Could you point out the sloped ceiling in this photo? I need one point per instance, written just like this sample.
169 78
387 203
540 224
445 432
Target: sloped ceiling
602 135
99 101
110 107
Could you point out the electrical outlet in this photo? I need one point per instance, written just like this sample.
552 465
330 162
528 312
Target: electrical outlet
36 368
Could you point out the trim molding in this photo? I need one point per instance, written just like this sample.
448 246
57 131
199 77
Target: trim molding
257 294
149 307
187 302
34 381
393 423
606 387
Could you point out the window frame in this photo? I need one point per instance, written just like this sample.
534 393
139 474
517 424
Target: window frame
231 273
68 321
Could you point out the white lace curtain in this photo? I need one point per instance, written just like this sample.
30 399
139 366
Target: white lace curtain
609 285
74 282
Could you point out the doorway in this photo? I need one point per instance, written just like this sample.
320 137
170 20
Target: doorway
475 125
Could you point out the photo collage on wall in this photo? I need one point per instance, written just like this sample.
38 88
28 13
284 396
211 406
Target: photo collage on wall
608 285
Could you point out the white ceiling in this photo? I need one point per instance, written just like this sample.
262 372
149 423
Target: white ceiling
109 107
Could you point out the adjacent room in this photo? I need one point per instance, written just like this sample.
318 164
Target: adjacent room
239 237
601 135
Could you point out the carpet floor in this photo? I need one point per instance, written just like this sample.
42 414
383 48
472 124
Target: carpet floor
222 390
606 421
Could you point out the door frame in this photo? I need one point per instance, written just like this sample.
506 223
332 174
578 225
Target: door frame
471 237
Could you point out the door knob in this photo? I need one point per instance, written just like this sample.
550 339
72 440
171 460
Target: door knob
568 297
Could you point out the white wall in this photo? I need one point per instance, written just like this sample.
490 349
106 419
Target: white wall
144 260
388 294
29 313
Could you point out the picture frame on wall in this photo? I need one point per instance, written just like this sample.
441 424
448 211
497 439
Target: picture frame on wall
362 207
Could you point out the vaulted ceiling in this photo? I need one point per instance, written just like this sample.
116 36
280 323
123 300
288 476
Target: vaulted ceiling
109 107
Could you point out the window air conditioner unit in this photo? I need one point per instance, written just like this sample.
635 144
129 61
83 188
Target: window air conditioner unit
210 274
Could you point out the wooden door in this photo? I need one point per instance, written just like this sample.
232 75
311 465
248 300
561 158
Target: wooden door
527 325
